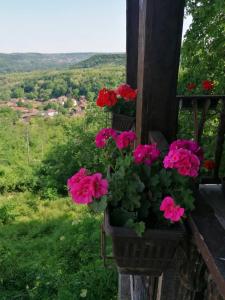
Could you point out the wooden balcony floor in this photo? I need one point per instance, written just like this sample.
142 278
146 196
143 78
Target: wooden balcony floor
207 223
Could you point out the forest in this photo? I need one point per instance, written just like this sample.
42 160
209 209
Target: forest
49 247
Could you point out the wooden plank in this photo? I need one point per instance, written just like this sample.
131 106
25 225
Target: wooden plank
201 97
139 287
160 29
132 25
124 287
209 235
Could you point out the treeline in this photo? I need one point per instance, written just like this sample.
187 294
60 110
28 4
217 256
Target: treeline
25 62
103 59
47 85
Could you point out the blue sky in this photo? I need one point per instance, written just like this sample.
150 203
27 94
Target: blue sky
63 26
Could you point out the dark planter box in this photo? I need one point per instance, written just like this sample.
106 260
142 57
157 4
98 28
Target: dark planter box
150 254
122 122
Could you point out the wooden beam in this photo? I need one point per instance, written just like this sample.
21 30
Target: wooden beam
132 24
160 31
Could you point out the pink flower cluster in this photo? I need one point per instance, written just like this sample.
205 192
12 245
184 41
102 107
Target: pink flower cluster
146 154
125 139
171 211
84 187
186 163
103 135
189 145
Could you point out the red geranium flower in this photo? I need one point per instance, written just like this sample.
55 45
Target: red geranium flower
207 85
126 92
209 164
106 97
191 86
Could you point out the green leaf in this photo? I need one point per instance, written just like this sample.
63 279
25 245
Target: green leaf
99 205
139 227
120 216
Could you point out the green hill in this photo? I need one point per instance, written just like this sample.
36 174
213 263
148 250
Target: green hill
98 60
26 62
23 62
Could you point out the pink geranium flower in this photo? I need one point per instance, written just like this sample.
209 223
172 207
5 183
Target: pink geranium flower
81 192
83 187
171 211
76 178
146 154
186 163
103 135
193 146
99 186
125 139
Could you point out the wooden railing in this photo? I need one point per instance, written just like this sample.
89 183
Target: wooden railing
204 107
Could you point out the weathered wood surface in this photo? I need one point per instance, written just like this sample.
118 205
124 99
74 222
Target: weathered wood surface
195 280
209 233
160 29
124 287
139 287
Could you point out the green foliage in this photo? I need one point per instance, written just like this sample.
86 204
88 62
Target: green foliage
99 60
139 227
51 106
75 152
53 84
50 250
99 205
22 148
68 103
18 92
202 55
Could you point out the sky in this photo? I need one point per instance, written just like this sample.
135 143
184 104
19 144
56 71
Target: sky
55 26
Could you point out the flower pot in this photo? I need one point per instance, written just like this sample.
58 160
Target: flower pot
150 254
122 122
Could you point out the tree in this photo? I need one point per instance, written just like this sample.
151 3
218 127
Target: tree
18 92
203 47
68 103
5 94
45 94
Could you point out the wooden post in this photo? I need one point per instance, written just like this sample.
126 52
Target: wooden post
160 31
132 24
156 48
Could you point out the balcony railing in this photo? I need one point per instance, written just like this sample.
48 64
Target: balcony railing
204 108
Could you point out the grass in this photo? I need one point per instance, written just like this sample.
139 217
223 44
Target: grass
50 250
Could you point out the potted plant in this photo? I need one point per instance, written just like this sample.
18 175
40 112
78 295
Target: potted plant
146 193
121 103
